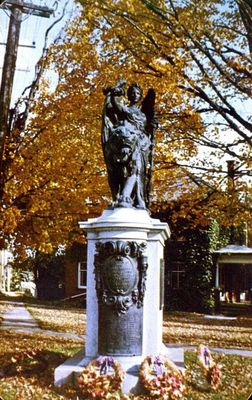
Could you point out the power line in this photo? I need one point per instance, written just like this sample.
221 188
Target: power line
28 8
17 8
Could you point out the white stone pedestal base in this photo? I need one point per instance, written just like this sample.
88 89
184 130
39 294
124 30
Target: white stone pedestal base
125 225
71 368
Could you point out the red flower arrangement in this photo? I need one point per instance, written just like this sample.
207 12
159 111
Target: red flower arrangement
161 378
100 378
212 371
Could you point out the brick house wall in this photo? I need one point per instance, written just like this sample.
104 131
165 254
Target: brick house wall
77 255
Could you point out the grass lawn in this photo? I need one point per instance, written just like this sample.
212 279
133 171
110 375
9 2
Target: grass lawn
26 375
236 378
195 329
178 327
60 319
28 360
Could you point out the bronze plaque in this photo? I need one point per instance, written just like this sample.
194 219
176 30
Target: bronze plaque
120 335
120 274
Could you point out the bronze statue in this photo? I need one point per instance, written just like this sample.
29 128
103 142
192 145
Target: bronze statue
128 142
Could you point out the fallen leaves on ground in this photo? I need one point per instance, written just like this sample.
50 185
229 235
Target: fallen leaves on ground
33 384
195 329
186 328
39 385
179 327
61 320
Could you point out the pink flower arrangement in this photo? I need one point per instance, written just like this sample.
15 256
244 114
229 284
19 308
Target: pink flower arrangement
212 371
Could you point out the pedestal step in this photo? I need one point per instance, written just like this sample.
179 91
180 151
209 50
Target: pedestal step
71 368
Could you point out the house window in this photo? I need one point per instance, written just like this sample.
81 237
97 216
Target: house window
177 275
82 275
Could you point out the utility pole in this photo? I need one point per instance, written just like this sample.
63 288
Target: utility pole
17 8
9 69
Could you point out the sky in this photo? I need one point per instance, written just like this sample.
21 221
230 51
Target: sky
32 34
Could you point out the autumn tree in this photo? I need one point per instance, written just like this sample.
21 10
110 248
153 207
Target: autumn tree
195 55
57 174
19 190
206 49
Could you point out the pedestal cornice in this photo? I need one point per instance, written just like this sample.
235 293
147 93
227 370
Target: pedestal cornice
121 219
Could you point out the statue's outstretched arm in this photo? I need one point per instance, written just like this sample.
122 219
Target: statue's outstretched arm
112 108
113 93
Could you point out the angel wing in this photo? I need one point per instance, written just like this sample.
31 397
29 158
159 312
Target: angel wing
148 108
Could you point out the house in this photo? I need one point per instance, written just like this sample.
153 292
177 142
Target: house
76 271
234 273
233 277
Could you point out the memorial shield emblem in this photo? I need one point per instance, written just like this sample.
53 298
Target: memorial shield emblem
120 274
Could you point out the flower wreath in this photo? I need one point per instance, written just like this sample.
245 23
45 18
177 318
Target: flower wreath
212 371
161 378
100 377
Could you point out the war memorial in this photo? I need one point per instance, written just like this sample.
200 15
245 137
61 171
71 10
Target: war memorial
125 278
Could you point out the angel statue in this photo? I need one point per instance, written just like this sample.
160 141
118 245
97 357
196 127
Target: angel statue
128 143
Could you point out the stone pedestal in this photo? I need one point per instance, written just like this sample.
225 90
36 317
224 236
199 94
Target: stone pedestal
125 288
